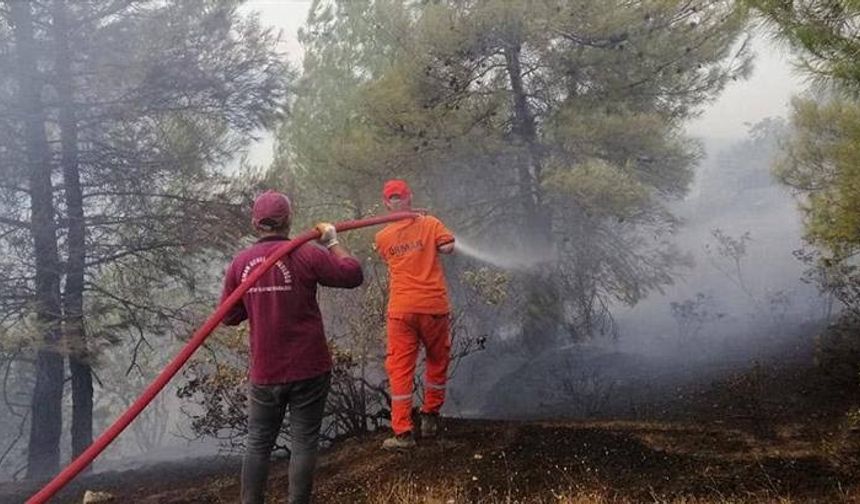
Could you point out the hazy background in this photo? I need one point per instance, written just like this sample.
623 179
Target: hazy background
718 315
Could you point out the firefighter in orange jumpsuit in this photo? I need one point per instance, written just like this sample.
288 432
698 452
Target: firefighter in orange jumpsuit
418 313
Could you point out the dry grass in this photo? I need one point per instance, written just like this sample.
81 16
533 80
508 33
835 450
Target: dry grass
408 492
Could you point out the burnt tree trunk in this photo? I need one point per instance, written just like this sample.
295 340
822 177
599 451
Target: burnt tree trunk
46 415
73 294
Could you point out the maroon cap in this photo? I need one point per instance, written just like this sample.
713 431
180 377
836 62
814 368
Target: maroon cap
396 187
272 206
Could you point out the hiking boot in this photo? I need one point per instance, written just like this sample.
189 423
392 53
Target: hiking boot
403 441
429 425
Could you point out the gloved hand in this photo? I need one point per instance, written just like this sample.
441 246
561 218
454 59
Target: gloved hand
328 234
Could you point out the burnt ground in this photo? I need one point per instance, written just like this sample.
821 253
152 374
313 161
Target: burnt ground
486 461
766 435
156 477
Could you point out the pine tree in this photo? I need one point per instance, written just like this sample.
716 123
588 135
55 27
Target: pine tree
545 125
131 110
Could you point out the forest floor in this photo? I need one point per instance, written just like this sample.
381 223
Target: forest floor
755 438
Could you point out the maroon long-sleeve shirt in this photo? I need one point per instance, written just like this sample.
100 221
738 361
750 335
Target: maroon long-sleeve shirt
287 337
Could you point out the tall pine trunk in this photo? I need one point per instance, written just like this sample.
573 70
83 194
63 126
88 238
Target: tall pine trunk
46 413
73 294
543 308
529 170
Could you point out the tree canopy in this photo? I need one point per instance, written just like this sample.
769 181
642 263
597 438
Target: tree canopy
544 125
116 122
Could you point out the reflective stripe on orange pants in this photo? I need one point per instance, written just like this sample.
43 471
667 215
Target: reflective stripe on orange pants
406 332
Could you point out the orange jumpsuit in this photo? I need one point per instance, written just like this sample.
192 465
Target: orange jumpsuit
418 313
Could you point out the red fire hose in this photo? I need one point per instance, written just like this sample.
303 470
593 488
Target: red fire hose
107 437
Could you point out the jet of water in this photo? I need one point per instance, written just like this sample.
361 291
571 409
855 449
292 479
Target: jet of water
508 259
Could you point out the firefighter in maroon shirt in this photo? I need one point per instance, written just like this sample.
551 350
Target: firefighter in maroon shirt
290 361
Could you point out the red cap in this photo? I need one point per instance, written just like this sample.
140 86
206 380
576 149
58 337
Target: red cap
396 187
273 206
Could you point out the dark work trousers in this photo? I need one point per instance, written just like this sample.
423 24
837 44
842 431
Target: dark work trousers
266 409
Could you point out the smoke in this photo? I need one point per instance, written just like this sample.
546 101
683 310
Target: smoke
742 301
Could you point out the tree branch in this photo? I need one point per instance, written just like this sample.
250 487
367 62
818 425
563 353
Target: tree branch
132 252
14 223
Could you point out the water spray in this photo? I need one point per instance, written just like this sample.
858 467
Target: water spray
509 260
109 435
